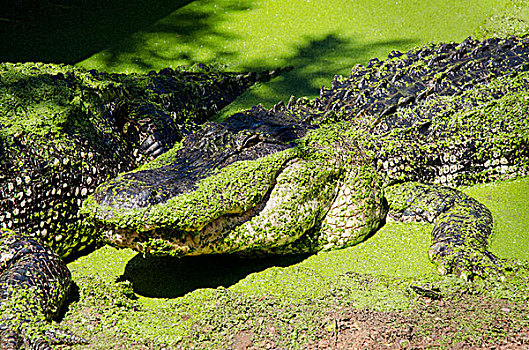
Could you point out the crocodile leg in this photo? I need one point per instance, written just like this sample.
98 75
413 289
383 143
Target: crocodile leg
462 227
357 211
34 283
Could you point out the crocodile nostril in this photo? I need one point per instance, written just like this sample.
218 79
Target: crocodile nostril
145 197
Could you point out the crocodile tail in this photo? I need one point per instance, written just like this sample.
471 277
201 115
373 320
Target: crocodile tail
226 87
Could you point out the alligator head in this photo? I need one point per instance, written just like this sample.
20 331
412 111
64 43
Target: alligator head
64 130
254 183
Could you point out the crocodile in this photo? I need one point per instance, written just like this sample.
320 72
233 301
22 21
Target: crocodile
322 174
389 142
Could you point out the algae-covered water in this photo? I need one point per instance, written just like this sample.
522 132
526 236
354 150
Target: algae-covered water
318 38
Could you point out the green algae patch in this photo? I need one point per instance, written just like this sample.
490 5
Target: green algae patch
513 19
508 203
38 102
373 272
397 249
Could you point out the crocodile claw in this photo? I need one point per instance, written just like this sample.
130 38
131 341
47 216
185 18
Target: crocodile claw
466 263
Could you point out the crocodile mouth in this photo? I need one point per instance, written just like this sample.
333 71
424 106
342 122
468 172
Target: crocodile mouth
196 241
191 165
192 214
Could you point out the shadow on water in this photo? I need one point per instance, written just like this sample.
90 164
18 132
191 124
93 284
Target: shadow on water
168 277
183 37
68 31
317 60
144 35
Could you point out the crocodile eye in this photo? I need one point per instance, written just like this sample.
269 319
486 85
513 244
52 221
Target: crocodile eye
248 141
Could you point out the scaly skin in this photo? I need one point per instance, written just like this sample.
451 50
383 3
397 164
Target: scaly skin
63 131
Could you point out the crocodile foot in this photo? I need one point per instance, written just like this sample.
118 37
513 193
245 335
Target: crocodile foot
462 227
460 239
